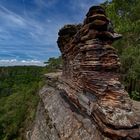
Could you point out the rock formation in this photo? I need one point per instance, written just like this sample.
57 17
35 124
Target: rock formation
57 119
90 78
86 101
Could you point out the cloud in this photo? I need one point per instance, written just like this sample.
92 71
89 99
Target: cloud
9 16
28 30
15 62
22 29
26 27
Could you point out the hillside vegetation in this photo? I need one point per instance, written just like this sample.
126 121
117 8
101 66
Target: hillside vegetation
18 99
125 15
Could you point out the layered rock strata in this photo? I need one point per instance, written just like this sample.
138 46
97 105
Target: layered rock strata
90 78
57 119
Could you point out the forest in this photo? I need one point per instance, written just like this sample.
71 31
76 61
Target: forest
126 20
18 99
19 84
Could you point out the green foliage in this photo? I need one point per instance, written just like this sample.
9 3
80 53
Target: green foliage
135 95
53 64
126 19
18 99
131 70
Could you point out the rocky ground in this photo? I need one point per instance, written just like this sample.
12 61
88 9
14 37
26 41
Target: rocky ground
57 119
136 106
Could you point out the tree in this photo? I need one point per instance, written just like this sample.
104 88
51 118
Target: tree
54 63
126 19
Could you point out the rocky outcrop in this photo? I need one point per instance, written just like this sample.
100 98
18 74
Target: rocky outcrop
86 101
58 119
90 78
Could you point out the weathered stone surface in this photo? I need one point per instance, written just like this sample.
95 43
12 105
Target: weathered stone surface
86 101
58 119
90 78
43 128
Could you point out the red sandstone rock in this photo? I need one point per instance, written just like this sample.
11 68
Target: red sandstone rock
91 76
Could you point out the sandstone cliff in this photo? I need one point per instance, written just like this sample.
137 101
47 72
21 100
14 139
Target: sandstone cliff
58 119
87 101
91 75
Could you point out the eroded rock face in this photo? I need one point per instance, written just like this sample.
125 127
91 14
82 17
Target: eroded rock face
90 78
58 119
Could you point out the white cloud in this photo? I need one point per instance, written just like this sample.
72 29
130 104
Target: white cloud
15 62
11 17
37 32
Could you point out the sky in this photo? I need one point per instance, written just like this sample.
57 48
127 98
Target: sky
29 28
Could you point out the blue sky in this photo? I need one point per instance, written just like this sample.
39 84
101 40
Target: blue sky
28 28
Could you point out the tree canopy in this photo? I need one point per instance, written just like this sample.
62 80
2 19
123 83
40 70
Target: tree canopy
126 19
